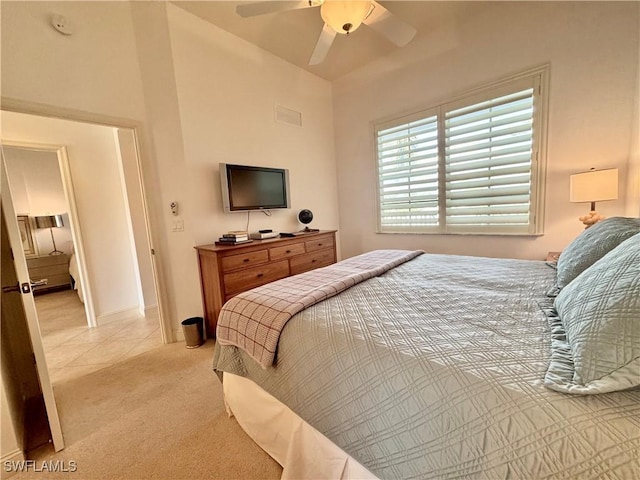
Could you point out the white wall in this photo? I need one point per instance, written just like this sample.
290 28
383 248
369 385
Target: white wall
593 52
119 64
633 172
227 92
93 70
36 189
135 211
99 196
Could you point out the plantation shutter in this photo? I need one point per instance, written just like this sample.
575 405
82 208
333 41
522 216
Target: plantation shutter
408 175
488 164
473 165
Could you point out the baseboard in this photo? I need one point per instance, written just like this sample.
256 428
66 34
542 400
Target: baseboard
129 313
125 314
178 335
11 458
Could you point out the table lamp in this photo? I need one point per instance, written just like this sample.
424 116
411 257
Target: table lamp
591 187
50 221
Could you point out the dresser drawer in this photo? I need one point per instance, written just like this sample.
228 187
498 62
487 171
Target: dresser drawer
57 280
45 272
48 261
319 243
254 277
286 251
53 268
234 262
304 263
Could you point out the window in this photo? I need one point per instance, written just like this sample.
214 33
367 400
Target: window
472 165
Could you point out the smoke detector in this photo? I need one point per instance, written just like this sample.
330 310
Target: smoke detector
61 24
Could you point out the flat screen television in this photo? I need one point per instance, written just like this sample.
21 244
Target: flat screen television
246 187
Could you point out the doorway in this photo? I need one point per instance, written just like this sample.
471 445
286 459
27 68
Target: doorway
101 227
47 219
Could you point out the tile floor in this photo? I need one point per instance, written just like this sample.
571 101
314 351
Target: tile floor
72 349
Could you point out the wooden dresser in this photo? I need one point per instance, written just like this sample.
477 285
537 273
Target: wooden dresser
53 268
226 271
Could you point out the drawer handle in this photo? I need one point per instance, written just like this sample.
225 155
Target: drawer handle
288 251
313 261
260 275
245 260
320 244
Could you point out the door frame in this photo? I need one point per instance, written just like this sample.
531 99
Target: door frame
74 221
41 110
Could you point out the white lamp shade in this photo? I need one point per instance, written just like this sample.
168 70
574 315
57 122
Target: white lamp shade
344 16
594 186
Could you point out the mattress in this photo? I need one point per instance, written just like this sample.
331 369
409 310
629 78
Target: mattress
435 369
74 271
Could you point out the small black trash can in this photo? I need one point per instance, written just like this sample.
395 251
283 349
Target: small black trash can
193 331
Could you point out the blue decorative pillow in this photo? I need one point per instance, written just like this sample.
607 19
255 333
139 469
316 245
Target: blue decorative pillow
591 245
596 330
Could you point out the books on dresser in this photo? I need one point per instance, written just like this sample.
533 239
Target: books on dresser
234 238
227 241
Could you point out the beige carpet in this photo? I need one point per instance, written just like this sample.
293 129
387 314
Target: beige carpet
159 415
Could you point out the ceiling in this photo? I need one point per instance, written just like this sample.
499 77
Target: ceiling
292 35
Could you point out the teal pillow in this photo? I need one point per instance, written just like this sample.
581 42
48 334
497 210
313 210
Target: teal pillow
591 245
596 344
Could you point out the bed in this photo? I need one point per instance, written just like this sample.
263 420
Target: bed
74 272
444 366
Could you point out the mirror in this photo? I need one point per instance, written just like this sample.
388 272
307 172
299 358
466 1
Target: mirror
26 235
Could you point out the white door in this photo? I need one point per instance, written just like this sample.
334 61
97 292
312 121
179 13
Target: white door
29 307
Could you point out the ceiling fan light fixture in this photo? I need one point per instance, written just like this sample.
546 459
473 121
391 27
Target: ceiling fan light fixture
344 16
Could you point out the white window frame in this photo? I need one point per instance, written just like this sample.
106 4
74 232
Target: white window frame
536 78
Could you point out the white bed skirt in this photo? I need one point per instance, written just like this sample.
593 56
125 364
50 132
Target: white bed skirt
302 451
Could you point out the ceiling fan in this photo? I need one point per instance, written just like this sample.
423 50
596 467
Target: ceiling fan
339 17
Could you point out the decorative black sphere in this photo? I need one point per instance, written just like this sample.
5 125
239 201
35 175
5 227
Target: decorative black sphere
305 216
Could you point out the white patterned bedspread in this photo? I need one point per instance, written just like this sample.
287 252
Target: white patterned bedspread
253 320
435 370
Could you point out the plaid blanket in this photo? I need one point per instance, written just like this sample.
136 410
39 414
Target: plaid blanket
254 319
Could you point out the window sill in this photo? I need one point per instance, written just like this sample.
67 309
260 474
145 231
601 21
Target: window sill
467 234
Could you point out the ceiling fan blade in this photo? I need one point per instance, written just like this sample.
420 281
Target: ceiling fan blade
387 24
323 45
262 8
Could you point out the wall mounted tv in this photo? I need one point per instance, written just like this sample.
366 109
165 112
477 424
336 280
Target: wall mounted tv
254 188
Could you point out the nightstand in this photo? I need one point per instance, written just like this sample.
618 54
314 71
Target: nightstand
54 268
553 256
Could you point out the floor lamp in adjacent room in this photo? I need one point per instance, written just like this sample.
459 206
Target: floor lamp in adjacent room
50 221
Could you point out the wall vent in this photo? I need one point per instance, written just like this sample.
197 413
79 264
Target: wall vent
288 116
